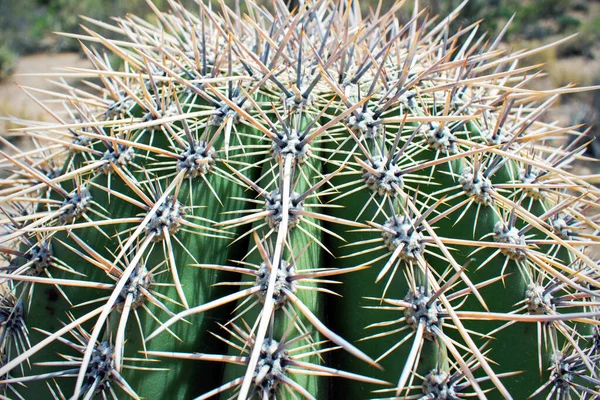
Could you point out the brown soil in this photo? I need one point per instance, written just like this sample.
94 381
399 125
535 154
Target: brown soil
14 102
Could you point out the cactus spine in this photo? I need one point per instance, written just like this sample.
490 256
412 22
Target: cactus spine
182 227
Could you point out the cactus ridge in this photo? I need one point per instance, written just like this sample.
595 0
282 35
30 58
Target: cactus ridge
316 203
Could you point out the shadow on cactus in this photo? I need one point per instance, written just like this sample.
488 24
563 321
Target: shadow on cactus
306 204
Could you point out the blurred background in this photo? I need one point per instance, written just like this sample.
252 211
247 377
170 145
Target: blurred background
28 44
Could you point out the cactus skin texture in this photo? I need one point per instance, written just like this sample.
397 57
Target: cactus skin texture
308 204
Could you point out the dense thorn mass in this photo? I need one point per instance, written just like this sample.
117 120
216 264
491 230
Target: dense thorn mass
423 311
398 231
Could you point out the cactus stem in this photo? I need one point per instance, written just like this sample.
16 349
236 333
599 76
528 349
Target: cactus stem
420 321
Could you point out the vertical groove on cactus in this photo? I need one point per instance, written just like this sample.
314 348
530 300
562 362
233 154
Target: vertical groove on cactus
316 203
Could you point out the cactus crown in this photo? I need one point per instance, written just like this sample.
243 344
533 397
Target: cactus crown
203 203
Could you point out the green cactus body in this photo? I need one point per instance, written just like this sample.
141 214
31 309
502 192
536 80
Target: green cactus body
197 284
309 204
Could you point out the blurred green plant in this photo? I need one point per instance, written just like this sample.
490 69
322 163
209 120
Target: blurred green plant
8 60
28 25
528 16
567 22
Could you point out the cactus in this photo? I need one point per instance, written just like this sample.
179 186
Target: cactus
316 203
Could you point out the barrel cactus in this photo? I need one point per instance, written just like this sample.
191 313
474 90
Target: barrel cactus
254 202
